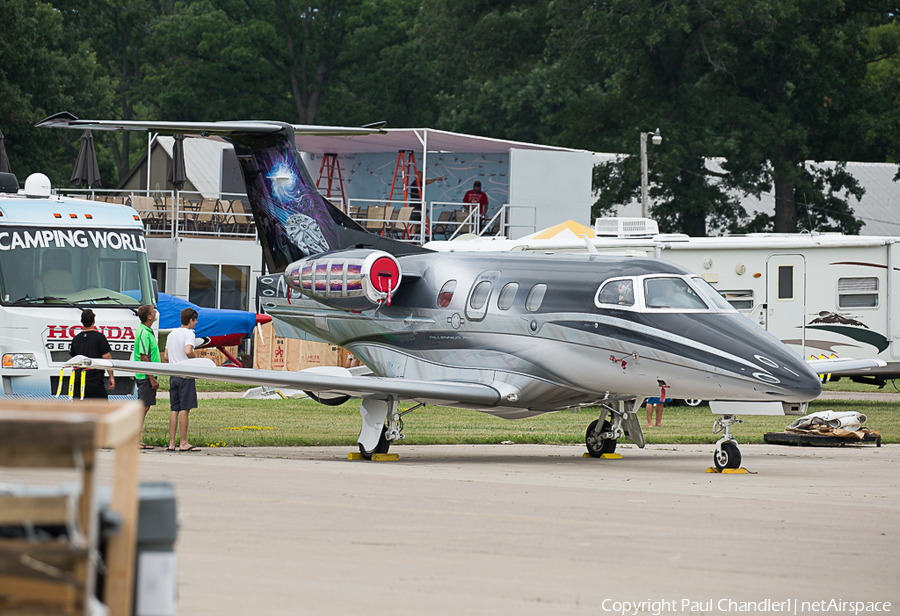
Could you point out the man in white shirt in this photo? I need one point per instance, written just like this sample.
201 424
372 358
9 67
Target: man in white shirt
182 390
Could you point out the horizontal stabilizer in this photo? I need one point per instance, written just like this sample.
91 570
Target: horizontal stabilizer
67 120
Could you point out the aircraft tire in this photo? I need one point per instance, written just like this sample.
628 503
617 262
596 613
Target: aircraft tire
605 446
693 402
728 457
382 447
327 401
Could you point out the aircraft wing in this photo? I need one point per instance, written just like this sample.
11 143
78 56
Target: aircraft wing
326 380
65 119
843 364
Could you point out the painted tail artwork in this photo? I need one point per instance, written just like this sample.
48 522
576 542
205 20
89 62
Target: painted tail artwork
293 219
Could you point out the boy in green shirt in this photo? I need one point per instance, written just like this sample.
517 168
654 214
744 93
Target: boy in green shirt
146 349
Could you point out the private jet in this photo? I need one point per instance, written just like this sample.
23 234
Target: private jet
513 335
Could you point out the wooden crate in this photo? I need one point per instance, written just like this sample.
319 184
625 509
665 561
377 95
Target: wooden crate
58 576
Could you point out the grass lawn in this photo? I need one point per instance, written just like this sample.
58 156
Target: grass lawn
235 423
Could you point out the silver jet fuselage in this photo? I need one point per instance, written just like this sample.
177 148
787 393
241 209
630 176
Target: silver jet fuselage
546 332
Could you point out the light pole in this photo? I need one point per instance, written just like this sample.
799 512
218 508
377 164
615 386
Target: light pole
657 139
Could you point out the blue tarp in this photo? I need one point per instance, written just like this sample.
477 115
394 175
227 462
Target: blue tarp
210 322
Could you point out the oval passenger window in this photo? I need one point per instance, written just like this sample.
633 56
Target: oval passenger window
480 295
507 296
446 294
535 297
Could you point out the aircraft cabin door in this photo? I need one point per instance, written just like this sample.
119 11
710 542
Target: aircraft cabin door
786 299
480 295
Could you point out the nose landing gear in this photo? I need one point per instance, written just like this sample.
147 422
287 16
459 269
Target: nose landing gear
727 454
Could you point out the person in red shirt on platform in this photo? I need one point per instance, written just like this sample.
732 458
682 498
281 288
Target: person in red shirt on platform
476 196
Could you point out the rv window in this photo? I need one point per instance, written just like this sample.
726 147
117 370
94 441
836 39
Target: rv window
480 294
507 296
446 294
740 300
535 297
671 293
785 282
617 292
858 292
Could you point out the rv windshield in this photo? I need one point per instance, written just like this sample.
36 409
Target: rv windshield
87 267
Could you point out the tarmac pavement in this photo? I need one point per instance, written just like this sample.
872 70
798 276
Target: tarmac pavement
529 529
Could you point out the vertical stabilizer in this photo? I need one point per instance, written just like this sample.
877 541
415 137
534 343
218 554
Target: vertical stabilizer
293 219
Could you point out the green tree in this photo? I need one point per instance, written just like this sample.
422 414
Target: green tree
304 62
764 85
44 68
118 32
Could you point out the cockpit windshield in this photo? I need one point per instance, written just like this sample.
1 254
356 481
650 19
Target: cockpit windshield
714 296
671 293
85 267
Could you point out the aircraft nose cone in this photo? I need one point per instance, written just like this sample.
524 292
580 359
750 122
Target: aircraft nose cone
804 387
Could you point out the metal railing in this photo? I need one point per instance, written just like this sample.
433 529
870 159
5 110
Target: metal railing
390 223
501 219
180 213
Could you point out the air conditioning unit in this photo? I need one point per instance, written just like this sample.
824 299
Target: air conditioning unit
625 227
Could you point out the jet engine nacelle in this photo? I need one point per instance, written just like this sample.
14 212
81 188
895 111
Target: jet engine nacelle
347 279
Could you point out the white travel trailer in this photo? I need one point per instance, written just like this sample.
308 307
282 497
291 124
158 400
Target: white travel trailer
823 294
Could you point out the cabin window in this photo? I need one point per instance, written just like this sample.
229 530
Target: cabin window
535 297
616 292
507 296
858 292
740 300
446 294
785 281
480 295
671 293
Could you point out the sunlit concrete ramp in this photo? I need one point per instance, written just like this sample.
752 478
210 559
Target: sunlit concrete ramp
529 529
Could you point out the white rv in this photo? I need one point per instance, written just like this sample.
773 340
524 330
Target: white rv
824 294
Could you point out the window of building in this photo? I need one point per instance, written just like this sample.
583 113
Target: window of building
158 273
220 286
858 292
535 297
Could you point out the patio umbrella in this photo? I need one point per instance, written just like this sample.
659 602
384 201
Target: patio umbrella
86 170
177 176
4 159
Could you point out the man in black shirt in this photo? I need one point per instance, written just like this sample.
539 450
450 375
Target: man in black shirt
91 343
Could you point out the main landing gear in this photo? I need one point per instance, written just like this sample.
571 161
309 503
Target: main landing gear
603 434
727 454
382 424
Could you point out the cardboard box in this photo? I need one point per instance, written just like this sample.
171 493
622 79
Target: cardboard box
273 352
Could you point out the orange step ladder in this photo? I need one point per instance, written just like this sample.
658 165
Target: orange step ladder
407 171
331 170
